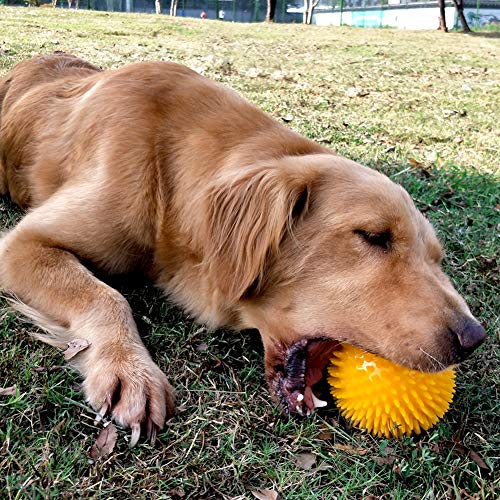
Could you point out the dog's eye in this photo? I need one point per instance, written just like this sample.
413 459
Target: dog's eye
382 240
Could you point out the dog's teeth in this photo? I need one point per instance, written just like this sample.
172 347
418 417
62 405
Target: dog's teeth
308 412
299 410
318 403
300 397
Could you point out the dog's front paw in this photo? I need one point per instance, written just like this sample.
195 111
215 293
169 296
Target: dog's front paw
132 389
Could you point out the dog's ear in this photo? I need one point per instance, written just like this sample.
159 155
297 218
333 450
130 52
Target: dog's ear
250 211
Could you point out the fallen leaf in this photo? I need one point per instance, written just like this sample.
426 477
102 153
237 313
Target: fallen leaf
305 460
464 451
389 459
325 435
356 92
8 391
74 347
104 443
421 167
479 461
278 75
49 369
176 494
202 347
263 494
415 163
253 73
59 426
351 449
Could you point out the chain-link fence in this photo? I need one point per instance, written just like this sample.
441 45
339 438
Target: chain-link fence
407 14
224 10
410 14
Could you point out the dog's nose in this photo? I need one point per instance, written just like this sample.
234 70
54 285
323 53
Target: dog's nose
470 335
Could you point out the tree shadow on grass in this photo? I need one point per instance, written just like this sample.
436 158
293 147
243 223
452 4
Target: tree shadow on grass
484 34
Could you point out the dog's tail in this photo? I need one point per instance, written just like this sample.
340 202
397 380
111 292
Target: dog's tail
55 334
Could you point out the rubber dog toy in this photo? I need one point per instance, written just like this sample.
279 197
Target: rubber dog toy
387 399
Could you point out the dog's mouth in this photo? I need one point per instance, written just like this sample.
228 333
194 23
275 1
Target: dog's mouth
295 376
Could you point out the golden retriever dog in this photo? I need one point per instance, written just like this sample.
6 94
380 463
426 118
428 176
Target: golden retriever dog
241 221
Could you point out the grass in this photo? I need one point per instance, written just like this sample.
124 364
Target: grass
420 106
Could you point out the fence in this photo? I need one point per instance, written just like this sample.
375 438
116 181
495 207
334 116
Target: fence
406 14
410 14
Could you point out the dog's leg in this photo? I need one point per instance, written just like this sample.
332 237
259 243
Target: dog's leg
69 302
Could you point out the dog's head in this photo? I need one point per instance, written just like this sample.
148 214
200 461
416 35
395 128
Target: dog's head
315 250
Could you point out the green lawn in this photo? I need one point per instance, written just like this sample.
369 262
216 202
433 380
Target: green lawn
420 106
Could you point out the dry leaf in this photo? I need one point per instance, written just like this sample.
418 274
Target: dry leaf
176 494
104 443
74 347
253 73
263 494
351 92
421 167
305 460
325 435
202 347
479 461
8 391
59 426
415 163
351 449
464 451
387 460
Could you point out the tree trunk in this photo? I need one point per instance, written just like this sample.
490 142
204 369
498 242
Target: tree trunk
310 15
442 16
459 5
309 6
271 9
173 7
158 6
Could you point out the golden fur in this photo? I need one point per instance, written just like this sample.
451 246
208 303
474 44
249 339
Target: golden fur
242 222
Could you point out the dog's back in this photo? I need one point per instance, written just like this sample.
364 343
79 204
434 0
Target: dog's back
24 78
37 71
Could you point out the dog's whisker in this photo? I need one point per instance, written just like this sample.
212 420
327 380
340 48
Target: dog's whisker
436 363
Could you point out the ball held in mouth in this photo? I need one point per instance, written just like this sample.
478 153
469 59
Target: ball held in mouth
384 398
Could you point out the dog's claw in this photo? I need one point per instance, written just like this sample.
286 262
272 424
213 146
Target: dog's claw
152 431
136 434
101 413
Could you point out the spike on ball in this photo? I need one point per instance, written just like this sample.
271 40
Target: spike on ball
387 399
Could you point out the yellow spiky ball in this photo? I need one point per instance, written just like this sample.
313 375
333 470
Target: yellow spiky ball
387 399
